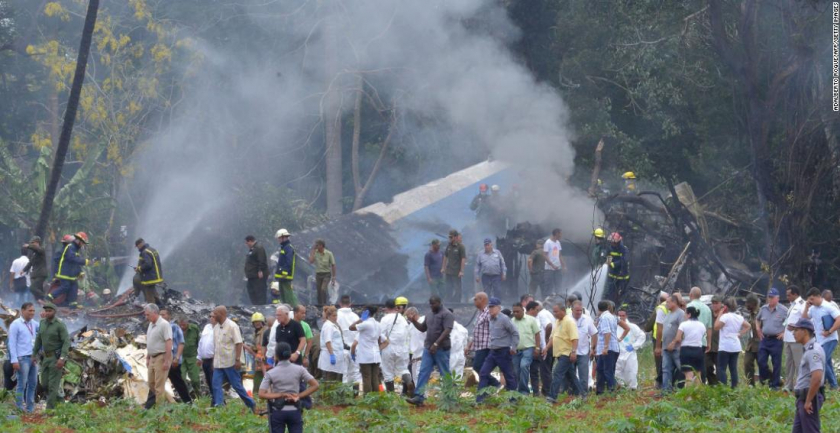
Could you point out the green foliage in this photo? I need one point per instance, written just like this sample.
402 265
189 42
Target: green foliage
450 399
335 394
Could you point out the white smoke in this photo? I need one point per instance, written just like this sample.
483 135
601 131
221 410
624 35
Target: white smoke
253 111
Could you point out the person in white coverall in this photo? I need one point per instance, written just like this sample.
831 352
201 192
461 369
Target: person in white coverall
458 337
347 317
627 367
395 340
415 344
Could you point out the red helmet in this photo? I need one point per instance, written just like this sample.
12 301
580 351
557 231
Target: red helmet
615 237
82 236
66 239
482 187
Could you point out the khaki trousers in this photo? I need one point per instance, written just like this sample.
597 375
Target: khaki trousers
793 355
157 378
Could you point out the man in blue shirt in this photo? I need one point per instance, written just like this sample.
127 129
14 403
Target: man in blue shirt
21 339
606 347
177 351
826 319
432 264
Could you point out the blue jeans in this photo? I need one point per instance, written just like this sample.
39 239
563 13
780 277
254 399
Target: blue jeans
606 371
582 366
670 366
27 380
492 285
552 281
830 377
522 368
427 365
478 362
564 377
727 360
770 347
219 375
498 358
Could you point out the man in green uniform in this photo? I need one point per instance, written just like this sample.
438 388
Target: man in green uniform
325 271
536 266
189 368
53 339
751 351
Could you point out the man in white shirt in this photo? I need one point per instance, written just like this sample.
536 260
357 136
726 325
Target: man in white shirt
586 330
554 263
792 350
395 341
347 317
627 367
415 343
545 319
206 348
18 279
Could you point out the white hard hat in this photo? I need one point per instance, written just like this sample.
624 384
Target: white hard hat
106 292
282 232
494 188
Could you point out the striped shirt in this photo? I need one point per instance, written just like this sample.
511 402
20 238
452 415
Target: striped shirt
607 324
481 332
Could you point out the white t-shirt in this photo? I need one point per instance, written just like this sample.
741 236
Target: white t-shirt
367 351
793 315
694 333
17 268
552 251
729 339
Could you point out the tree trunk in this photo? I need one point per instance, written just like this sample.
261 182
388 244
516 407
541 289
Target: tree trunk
360 196
357 131
596 169
69 118
332 115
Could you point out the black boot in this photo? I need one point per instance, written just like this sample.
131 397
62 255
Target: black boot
408 385
389 386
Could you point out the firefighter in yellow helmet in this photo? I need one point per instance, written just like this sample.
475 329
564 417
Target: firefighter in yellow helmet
402 303
600 249
629 182
257 350
68 264
281 288
149 272
618 274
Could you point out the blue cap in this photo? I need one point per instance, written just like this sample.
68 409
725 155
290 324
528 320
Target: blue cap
495 302
773 292
805 324
487 241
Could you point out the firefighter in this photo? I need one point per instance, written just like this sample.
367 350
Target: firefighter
600 250
629 182
619 268
479 200
149 273
281 288
68 264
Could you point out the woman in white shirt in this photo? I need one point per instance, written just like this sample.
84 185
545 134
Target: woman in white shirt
331 361
365 350
731 326
690 337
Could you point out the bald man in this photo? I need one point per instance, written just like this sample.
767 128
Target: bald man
226 358
481 335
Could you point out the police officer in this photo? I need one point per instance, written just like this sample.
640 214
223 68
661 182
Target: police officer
149 271
809 389
281 386
53 339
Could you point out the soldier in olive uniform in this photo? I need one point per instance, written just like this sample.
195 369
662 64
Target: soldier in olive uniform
809 388
52 338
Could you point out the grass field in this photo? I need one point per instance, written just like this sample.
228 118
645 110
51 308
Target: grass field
699 409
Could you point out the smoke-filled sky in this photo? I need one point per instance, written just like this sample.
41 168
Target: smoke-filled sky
251 112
